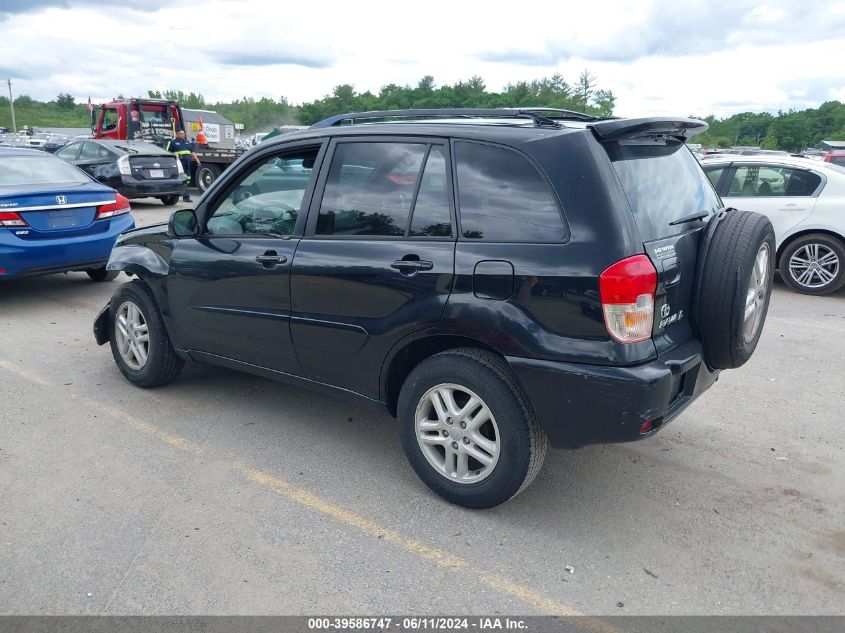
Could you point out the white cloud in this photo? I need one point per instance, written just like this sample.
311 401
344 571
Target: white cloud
658 58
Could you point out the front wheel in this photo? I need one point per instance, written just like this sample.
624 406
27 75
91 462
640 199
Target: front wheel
101 274
813 264
170 200
468 430
139 341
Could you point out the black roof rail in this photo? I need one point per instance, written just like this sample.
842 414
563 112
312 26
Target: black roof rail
540 116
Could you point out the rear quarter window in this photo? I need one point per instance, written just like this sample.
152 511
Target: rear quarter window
663 182
503 198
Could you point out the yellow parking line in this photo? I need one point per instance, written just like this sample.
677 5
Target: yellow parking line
23 373
441 558
146 427
309 500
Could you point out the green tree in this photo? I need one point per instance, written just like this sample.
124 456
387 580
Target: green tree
65 101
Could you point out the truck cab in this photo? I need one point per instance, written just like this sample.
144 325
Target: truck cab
153 120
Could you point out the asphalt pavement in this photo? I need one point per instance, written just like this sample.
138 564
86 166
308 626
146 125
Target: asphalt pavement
224 493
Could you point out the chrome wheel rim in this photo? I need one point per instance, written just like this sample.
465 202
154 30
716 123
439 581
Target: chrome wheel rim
814 266
132 335
755 297
457 433
205 178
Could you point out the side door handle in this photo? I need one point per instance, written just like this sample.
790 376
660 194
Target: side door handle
411 265
270 259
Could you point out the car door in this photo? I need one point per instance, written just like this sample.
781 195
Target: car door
785 194
96 160
377 260
229 287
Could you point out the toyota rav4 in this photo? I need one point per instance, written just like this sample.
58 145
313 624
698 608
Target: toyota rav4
497 280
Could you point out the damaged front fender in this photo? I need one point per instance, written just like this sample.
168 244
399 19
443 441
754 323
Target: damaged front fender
137 259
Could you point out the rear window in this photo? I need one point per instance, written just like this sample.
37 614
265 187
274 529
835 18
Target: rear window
38 170
663 182
838 160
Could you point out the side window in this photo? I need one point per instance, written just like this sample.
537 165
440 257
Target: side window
503 198
369 189
714 173
109 119
268 198
431 217
90 151
752 181
69 152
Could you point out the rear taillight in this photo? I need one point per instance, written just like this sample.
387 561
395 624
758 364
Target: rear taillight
118 207
123 166
627 299
179 167
10 218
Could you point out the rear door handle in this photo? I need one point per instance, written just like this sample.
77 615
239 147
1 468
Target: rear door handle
411 264
270 259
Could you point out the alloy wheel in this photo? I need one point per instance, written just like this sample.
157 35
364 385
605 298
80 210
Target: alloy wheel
132 335
814 266
755 297
457 433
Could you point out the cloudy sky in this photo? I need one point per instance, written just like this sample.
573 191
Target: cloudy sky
657 56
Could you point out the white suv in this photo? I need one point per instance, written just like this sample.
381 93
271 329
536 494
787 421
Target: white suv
804 199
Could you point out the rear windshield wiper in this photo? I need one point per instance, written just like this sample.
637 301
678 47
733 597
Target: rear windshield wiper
698 215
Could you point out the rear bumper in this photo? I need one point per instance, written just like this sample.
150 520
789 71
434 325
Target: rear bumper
19 257
132 188
579 404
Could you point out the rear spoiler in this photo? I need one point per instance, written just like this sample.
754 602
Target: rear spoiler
616 129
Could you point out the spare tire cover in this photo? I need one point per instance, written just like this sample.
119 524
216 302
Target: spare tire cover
735 287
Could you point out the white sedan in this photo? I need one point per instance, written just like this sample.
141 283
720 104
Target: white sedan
804 199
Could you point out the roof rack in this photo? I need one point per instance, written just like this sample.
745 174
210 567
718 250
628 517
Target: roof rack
541 116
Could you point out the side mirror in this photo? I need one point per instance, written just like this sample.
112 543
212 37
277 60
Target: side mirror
183 223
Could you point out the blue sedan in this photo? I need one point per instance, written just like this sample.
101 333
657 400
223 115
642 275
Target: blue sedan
55 217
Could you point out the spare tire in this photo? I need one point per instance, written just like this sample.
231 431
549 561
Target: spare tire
735 287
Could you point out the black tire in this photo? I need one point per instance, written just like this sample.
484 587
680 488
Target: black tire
826 245
205 176
724 288
162 364
101 274
522 443
170 200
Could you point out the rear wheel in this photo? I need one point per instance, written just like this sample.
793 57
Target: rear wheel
206 175
101 274
139 341
468 430
170 200
813 264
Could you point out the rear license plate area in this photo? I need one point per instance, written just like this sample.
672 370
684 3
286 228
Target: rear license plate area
62 219
156 173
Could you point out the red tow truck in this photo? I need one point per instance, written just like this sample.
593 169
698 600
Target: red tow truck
157 120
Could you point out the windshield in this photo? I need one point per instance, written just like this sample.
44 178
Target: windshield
38 170
664 182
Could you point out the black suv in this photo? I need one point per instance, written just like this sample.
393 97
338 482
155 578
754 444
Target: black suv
498 280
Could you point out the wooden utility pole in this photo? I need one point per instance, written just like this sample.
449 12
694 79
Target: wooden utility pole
12 104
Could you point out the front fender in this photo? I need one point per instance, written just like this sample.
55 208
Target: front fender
137 259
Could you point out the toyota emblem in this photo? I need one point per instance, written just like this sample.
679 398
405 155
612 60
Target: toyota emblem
156 165
665 310
61 199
